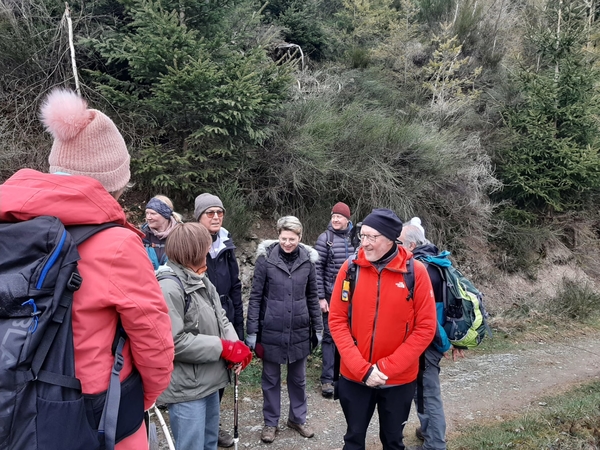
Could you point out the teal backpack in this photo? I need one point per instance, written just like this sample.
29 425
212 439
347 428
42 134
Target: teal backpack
465 315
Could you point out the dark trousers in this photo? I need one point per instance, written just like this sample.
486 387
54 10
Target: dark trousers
328 348
296 386
358 402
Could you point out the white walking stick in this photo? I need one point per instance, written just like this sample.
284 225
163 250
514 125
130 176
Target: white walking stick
165 428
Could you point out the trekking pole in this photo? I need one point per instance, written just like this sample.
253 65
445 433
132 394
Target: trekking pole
236 438
164 427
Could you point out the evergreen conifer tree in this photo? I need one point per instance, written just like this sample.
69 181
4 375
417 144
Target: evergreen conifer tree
552 163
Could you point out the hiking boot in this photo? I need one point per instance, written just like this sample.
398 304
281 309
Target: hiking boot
419 434
301 428
327 390
268 434
225 439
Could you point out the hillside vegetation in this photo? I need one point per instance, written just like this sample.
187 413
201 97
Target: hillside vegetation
479 116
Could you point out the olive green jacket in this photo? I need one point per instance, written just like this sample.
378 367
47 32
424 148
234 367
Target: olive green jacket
199 369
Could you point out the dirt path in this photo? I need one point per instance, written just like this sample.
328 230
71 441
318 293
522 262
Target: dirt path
478 388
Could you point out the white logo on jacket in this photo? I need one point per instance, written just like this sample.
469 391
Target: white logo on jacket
400 284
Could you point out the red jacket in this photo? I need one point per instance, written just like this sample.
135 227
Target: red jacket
389 330
118 281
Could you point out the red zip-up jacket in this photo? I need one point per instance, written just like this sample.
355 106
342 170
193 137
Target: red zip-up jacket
389 330
118 282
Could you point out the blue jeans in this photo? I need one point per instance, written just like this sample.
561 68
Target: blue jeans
195 424
433 421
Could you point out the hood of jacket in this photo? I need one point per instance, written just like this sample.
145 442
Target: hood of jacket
74 199
225 243
265 245
425 250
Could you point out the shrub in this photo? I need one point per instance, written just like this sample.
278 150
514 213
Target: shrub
302 26
434 11
364 153
197 104
358 57
553 163
520 238
575 300
34 57
239 217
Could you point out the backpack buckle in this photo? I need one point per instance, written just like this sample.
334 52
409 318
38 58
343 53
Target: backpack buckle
74 282
119 362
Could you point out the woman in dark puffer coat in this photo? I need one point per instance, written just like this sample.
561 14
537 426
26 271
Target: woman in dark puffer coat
283 307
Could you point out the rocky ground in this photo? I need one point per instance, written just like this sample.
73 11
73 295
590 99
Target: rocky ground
481 387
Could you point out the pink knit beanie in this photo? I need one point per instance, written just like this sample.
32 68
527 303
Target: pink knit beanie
86 141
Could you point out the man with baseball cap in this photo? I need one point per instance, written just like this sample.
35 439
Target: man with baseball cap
380 329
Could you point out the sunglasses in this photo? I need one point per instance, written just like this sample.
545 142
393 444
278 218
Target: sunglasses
214 212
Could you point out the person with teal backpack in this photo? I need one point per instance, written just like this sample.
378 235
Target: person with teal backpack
461 325
160 221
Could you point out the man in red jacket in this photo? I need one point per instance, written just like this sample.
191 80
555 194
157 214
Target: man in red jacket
380 330
89 170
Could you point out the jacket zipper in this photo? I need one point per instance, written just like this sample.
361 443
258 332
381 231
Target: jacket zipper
376 316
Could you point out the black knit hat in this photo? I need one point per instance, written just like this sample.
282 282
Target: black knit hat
385 221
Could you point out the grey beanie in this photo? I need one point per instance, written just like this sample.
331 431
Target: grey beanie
205 201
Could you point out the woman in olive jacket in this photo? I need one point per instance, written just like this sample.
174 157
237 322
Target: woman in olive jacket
206 343
283 306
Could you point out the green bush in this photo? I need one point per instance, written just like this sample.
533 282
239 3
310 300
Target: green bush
239 217
302 27
358 57
197 104
576 300
434 11
552 163
520 238
364 153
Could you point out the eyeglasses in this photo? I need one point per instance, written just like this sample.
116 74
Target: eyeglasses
370 238
214 212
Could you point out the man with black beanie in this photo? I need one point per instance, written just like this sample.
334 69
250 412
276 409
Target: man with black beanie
380 330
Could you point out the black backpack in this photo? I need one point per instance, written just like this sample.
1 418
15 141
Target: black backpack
355 235
41 403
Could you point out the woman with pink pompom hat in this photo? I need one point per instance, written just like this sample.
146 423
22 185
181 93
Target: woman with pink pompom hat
89 170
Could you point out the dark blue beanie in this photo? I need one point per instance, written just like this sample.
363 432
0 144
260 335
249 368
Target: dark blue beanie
160 207
385 221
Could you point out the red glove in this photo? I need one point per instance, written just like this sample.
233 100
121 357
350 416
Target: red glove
247 360
236 352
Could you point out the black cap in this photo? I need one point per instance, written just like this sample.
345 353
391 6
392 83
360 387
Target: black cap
385 221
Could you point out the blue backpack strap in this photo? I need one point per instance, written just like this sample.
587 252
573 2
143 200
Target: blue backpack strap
79 234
